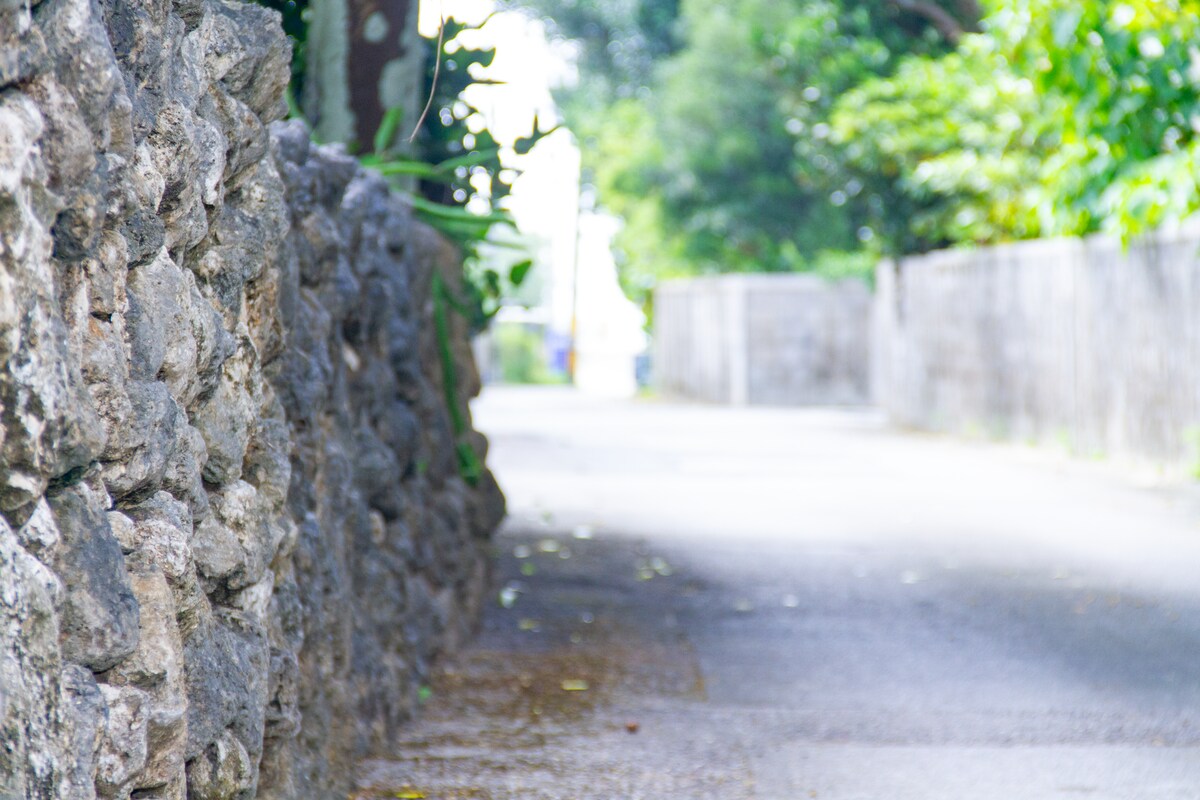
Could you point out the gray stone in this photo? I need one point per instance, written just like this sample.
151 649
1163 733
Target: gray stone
184 470
37 744
87 708
222 772
100 612
161 527
123 740
154 319
40 533
156 667
49 426
227 664
267 465
217 383
225 419
145 426
242 537
106 272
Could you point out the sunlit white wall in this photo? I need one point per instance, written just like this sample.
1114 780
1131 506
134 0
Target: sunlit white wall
609 328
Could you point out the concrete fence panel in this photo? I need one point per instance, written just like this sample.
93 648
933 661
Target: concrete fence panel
763 340
1083 342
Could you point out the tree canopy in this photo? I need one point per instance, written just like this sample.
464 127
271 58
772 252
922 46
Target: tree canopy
814 134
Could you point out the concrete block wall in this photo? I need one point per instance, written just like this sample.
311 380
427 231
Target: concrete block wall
1082 342
764 339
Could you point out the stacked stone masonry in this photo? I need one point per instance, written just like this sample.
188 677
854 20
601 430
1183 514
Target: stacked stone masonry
232 528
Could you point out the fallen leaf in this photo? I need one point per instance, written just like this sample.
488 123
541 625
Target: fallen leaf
574 686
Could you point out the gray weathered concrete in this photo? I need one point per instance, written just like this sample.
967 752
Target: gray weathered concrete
802 604
763 340
1075 341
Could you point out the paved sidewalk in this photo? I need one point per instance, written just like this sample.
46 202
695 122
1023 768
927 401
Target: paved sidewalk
706 602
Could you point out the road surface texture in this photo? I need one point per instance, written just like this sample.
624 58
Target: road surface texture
697 602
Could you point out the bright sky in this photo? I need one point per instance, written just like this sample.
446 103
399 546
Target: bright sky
527 65
525 61
545 198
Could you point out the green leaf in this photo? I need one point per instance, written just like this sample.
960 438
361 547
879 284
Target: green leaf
526 143
516 275
1066 24
388 126
456 213
491 282
470 159
416 168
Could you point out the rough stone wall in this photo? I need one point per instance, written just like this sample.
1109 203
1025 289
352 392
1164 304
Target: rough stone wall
232 529
764 340
1081 342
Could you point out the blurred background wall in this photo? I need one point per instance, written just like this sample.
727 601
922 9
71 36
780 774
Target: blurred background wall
1078 341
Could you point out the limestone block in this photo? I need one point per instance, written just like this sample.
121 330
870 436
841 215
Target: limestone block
221 772
225 418
99 624
160 532
36 743
40 533
103 351
85 706
242 538
227 664
156 667
106 271
123 739
144 426
182 477
49 426
267 466
157 325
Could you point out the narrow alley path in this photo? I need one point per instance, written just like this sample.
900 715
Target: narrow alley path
697 602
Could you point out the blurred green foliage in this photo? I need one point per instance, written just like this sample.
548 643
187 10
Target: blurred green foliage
715 146
816 134
1060 118
520 352
949 142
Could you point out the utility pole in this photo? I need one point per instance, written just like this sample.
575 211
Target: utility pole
572 353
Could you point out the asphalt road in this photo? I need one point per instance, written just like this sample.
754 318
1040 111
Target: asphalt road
699 602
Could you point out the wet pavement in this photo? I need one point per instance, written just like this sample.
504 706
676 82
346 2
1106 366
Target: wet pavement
698 602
